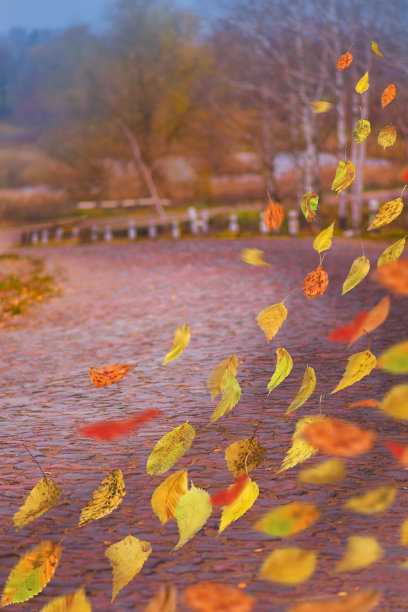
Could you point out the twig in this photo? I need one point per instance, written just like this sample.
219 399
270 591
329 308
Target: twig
34 459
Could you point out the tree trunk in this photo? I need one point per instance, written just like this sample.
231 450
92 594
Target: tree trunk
341 142
268 149
311 152
143 169
358 157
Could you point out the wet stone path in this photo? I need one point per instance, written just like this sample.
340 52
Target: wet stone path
123 302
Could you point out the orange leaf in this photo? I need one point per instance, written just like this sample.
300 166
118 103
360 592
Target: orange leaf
274 215
357 602
368 403
374 319
214 597
227 496
110 430
107 375
346 332
394 276
344 61
336 437
400 451
315 283
388 94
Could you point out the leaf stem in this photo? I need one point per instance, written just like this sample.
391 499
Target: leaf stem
34 459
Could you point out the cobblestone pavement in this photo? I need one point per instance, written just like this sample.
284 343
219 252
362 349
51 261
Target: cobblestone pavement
122 302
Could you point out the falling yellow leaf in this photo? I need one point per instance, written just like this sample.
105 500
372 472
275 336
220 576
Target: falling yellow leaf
362 130
321 106
215 379
305 391
358 366
231 394
289 565
242 504
300 449
387 136
105 499
395 359
168 494
395 402
41 498
180 342
283 368
270 319
72 602
192 513
404 533
328 472
387 213
32 573
253 257
170 448
127 558
361 552
363 601
345 175
359 270
323 241
164 601
373 501
288 519
391 253
375 48
363 84
243 456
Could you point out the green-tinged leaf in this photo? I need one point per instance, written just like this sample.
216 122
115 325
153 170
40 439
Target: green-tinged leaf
358 366
216 377
328 472
308 204
192 513
345 175
32 573
72 602
391 253
243 456
387 136
105 499
395 402
41 498
289 565
363 84
321 106
323 241
254 257
231 394
395 359
168 494
286 520
270 319
387 213
242 504
373 501
300 449
127 558
170 448
362 130
374 47
283 368
359 270
181 340
307 387
363 601
361 552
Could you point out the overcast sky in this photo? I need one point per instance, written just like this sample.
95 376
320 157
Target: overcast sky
55 13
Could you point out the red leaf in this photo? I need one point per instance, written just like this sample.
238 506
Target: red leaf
110 430
346 333
400 451
227 496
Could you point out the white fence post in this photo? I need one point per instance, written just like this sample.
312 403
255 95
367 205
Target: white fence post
44 236
193 220
293 222
204 221
75 232
34 238
373 209
262 226
108 234
94 233
233 224
132 232
58 233
152 231
175 230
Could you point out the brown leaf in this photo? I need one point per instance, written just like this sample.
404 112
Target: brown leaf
344 61
315 283
336 437
109 374
214 597
163 601
274 215
364 601
394 276
388 94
